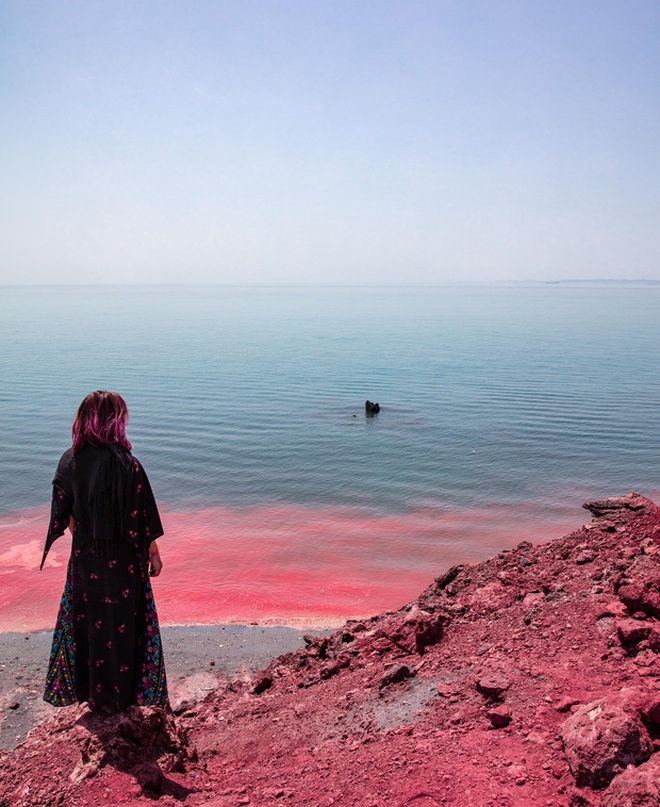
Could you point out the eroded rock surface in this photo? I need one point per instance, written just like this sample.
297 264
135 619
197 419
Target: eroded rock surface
601 739
636 787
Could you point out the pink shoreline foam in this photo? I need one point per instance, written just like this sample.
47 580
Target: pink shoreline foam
279 564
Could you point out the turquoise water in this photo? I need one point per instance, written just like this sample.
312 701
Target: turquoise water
249 396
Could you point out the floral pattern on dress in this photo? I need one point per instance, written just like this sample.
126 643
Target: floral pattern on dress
152 689
59 678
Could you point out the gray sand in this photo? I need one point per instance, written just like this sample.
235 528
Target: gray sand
196 659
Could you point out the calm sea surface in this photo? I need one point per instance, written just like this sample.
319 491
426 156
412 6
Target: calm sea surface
244 400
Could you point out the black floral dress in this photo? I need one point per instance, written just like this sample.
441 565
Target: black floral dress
106 647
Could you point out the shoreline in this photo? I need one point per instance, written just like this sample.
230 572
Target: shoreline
307 566
197 659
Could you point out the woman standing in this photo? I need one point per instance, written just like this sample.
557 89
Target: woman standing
106 647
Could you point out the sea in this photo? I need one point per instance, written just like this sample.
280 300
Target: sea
502 409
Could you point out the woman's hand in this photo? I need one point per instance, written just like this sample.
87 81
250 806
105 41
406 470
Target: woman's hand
155 561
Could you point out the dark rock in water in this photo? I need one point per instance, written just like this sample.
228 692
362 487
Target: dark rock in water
371 408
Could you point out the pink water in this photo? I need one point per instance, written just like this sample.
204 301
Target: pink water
286 565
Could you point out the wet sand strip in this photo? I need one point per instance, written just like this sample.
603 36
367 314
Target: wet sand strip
196 659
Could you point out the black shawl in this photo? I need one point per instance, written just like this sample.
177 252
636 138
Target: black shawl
107 492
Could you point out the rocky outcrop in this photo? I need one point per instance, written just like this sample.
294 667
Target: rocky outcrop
617 510
143 745
530 679
636 787
601 740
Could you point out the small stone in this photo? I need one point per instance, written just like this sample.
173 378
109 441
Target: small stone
264 683
586 556
459 716
395 674
564 704
331 668
654 640
316 647
650 709
13 705
631 631
500 716
149 776
493 686
533 599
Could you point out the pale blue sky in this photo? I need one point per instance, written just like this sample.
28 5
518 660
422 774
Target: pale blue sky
344 141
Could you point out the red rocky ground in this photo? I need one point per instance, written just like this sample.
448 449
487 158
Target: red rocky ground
530 679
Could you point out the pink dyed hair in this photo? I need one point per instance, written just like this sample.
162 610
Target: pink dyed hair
101 420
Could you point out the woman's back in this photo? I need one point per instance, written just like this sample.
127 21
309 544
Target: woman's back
106 646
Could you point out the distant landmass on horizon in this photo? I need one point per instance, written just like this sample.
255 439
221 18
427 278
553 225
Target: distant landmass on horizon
587 282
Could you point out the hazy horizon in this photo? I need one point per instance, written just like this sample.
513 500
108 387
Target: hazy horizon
333 284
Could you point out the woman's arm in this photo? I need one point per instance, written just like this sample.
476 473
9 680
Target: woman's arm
155 561
60 518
